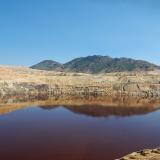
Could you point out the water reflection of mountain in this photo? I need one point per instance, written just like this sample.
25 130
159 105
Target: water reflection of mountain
96 107
102 111
105 111
48 107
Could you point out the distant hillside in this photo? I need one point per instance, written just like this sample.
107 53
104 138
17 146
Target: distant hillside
48 65
97 64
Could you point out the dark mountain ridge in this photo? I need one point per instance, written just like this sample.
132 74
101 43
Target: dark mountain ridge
97 64
48 65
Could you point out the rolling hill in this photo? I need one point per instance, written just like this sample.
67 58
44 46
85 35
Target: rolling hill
97 64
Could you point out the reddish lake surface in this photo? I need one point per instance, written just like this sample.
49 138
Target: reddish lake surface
77 132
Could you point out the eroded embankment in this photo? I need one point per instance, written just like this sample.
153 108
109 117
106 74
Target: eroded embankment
28 82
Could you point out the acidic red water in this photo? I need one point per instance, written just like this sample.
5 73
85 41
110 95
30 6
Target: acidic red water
76 133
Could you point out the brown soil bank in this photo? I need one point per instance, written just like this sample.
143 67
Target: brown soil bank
25 81
148 154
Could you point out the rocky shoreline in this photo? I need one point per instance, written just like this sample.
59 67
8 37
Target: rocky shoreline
147 154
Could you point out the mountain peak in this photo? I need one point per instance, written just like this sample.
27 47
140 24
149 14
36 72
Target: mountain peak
97 64
48 65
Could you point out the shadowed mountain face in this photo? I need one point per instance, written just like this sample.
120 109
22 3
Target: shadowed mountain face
97 64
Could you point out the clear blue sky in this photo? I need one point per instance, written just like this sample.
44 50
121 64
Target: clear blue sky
34 30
